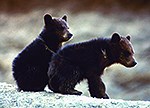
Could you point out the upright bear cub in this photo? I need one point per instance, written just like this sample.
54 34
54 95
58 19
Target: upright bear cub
31 65
87 60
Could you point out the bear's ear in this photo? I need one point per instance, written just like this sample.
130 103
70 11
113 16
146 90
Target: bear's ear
128 37
64 18
115 38
47 19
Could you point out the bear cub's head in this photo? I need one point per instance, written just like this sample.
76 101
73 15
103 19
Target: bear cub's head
124 48
58 27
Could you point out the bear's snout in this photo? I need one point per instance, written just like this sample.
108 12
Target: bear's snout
70 35
132 64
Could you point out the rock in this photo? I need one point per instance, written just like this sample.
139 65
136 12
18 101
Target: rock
10 97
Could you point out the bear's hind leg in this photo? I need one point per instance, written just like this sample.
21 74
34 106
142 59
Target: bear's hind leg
68 85
60 84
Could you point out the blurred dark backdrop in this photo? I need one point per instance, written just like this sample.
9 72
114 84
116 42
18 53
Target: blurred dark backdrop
75 5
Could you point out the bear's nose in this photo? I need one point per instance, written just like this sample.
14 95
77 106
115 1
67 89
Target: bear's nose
134 63
70 35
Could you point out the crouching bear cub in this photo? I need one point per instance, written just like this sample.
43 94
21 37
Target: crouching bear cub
31 65
87 60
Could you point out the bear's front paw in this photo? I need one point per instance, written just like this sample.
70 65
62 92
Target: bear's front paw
75 92
70 91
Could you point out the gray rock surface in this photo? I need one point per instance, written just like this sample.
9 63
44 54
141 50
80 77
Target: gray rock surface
11 98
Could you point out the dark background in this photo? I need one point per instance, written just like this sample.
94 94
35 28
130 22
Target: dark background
22 20
75 5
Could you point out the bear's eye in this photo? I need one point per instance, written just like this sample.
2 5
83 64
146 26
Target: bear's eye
61 28
126 53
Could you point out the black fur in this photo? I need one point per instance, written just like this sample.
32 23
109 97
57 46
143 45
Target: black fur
31 65
86 60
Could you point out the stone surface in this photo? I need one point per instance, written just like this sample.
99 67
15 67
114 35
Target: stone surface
11 98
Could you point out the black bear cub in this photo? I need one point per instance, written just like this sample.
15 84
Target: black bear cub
87 60
31 65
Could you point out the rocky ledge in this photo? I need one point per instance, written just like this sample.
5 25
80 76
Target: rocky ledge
11 98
